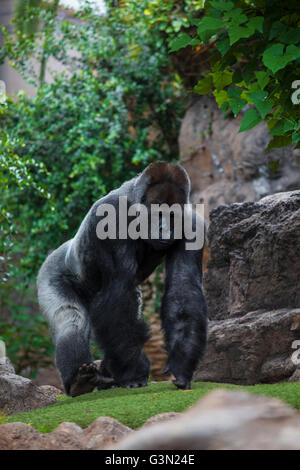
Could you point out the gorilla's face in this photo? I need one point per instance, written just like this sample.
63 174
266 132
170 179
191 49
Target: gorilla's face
159 198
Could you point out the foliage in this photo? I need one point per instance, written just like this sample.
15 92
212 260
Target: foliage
254 62
133 407
16 176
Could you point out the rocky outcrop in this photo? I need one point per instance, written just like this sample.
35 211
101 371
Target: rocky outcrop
251 349
226 166
252 291
101 433
254 256
223 420
18 394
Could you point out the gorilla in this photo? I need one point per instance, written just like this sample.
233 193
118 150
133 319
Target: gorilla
90 284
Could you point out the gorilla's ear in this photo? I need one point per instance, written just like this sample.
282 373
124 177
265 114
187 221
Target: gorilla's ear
160 172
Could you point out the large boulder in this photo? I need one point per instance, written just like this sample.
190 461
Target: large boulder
254 256
251 349
223 420
252 291
226 166
18 394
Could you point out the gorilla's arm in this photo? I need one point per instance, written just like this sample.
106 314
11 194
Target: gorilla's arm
183 312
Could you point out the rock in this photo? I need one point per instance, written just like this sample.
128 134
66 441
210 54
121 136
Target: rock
251 349
223 420
18 394
228 166
162 418
6 366
21 436
254 256
50 391
101 433
296 376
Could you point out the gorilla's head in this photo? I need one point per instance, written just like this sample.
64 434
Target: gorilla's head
160 187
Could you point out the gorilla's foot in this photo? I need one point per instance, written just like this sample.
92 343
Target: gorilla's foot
182 383
135 383
86 380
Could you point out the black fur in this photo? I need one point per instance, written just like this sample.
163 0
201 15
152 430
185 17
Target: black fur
89 283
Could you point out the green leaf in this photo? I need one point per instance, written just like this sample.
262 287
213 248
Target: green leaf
204 86
209 26
263 79
295 137
276 29
278 142
290 35
221 97
234 92
237 104
259 98
223 6
183 40
250 119
222 79
282 126
256 24
238 32
275 59
223 45
237 17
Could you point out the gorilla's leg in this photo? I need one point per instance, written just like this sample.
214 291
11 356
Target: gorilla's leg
70 330
121 333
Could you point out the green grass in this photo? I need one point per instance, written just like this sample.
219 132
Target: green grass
133 407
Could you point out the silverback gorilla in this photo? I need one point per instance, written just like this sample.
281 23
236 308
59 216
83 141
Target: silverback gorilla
91 284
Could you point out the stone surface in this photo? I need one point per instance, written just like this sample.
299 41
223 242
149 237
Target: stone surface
296 376
226 166
254 256
162 418
101 433
223 420
18 394
251 349
6 366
